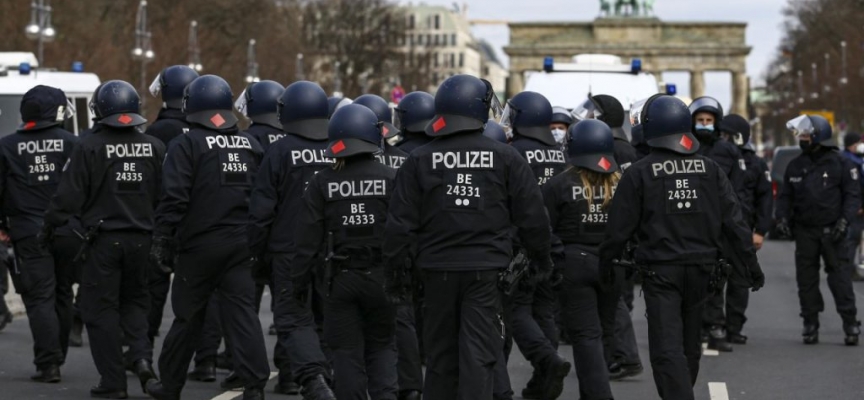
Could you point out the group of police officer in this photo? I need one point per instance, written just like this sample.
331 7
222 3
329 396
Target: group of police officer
371 224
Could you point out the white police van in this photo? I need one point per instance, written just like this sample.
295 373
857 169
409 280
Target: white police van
19 73
569 84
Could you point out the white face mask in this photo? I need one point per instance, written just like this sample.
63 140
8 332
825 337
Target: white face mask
859 148
560 133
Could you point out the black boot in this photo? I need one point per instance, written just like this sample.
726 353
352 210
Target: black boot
555 370
286 385
852 331
224 361
811 333
232 381
5 319
272 330
100 392
736 338
75 339
49 374
620 370
144 371
717 339
253 394
158 392
410 395
205 371
317 389
533 389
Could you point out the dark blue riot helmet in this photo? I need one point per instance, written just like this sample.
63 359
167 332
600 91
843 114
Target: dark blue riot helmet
117 104
44 107
590 145
561 115
462 103
706 104
171 82
530 114
208 101
414 112
334 103
259 102
737 128
495 131
666 124
303 110
816 129
612 114
354 129
382 110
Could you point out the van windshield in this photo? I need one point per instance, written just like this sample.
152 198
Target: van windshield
10 114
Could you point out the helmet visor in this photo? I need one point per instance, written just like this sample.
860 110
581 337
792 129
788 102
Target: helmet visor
636 112
703 102
496 111
587 110
156 86
800 126
242 103
505 119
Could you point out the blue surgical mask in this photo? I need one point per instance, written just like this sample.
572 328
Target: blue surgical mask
700 127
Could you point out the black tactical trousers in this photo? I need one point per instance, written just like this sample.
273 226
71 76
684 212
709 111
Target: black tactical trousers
853 240
114 302
462 333
810 245
295 325
532 317
64 250
4 278
211 333
410 367
35 278
673 298
158 285
735 299
501 389
582 302
224 270
625 350
360 327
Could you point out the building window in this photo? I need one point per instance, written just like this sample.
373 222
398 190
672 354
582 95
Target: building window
437 21
453 39
435 78
436 40
461 60
429 40
411 39
435 60
411 21
452 60
420 39
486 71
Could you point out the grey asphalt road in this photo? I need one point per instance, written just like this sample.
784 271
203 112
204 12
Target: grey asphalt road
773 365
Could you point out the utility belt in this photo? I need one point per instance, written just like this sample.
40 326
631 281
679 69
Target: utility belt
718 273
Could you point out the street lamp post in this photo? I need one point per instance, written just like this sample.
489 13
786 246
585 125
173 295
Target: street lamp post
251 64
337 79
194 50
40 28
299 75
843 80
142 51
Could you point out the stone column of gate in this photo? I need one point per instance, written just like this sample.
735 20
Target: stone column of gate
697 83
740 92
515 83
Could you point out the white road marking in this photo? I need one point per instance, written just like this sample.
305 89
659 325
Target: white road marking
718 391
229 395
707 352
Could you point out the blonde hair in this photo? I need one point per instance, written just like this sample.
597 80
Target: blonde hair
590 179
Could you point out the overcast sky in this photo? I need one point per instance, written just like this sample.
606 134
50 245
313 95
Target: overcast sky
763 18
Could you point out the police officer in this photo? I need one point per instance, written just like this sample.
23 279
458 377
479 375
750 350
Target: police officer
608 109
258 103
278 194
493 130
820 195
451 214
391 156
707 116
531 309
561 121
30 163
112 182
679 239
342 221
853 151
413 113
170 123
207 178
410 367
335 102
577 201
757 201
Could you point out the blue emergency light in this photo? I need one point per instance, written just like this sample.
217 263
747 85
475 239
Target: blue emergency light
635 65
77 66
671 89
548 64
24 68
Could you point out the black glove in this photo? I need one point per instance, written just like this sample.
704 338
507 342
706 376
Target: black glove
783 229
395 288
261 271
162 253
541 270
757 278
838 233
45 237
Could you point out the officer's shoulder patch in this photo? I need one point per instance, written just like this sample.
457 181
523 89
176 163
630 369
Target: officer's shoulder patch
854 173
768 176
742 164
